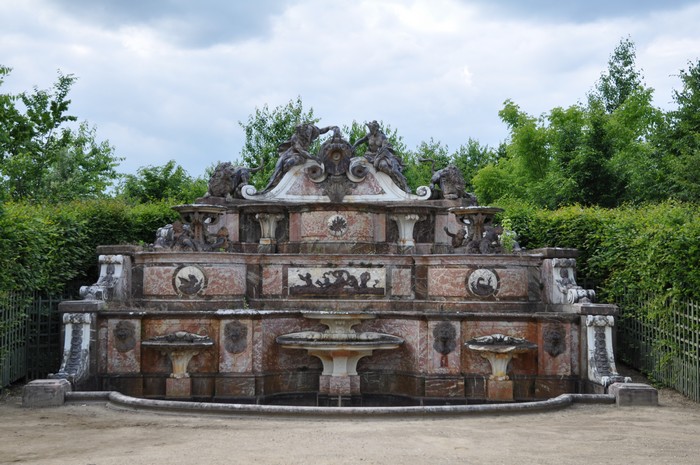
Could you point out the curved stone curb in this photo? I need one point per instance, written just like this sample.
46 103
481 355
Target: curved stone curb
78 396
120 401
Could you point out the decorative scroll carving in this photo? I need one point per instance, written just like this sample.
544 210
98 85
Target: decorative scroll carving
227 180
563 270
112 281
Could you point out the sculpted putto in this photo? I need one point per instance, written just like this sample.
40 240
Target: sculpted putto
295 151
381 154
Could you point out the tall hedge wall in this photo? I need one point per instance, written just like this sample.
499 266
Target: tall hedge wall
51 248
654 248
651 248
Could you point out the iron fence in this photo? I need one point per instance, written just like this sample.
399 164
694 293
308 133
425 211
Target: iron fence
662 340
30 336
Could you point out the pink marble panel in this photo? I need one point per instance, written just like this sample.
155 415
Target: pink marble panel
225 280
120 360
513 282
447 282
380 227
304 186
294 227
158 280
272 357
370 186
401 284
241 362
314 226
555 363
405 357
272 280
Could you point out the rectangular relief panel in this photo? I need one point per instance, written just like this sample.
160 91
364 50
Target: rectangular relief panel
336 282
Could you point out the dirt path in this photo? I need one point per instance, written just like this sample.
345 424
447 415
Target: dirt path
583 434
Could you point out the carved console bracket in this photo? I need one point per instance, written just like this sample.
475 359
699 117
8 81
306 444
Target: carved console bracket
562 282
601 359
76 348
113 281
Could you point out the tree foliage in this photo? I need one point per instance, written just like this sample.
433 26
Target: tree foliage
608 152
45 154
265 130
156 183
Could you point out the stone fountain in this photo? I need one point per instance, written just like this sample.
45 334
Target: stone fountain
180 347
339 348
336 281
499 350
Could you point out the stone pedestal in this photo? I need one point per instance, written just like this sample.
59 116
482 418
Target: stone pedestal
634 394
347 385
178 387
499 390
45 393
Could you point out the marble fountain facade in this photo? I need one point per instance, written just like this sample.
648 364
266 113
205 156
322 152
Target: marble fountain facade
336 286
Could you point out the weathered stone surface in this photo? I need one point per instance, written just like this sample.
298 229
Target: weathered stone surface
634 394
499 390
444 387
124 346
178 387
45 393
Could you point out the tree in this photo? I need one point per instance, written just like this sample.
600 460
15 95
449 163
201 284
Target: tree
621 78
43 156
167 182
265 130
419 173
683 137
471 157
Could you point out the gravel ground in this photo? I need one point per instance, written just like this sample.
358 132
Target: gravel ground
92 434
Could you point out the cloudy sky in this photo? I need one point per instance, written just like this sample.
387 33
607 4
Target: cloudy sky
171 79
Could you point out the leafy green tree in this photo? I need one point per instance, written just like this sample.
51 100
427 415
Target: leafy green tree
167 182
43 156
621 78
682 138
265 130
418 172
471 157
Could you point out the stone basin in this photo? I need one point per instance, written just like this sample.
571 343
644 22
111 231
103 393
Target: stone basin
339 348
180 347
499 349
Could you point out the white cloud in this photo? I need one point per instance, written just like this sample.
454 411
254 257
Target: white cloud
430 68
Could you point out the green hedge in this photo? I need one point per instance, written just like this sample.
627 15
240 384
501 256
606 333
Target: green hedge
651 249
51 248
654 249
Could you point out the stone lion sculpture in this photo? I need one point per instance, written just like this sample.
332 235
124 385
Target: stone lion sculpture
227 180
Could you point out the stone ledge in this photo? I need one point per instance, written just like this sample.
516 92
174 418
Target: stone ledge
634 394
